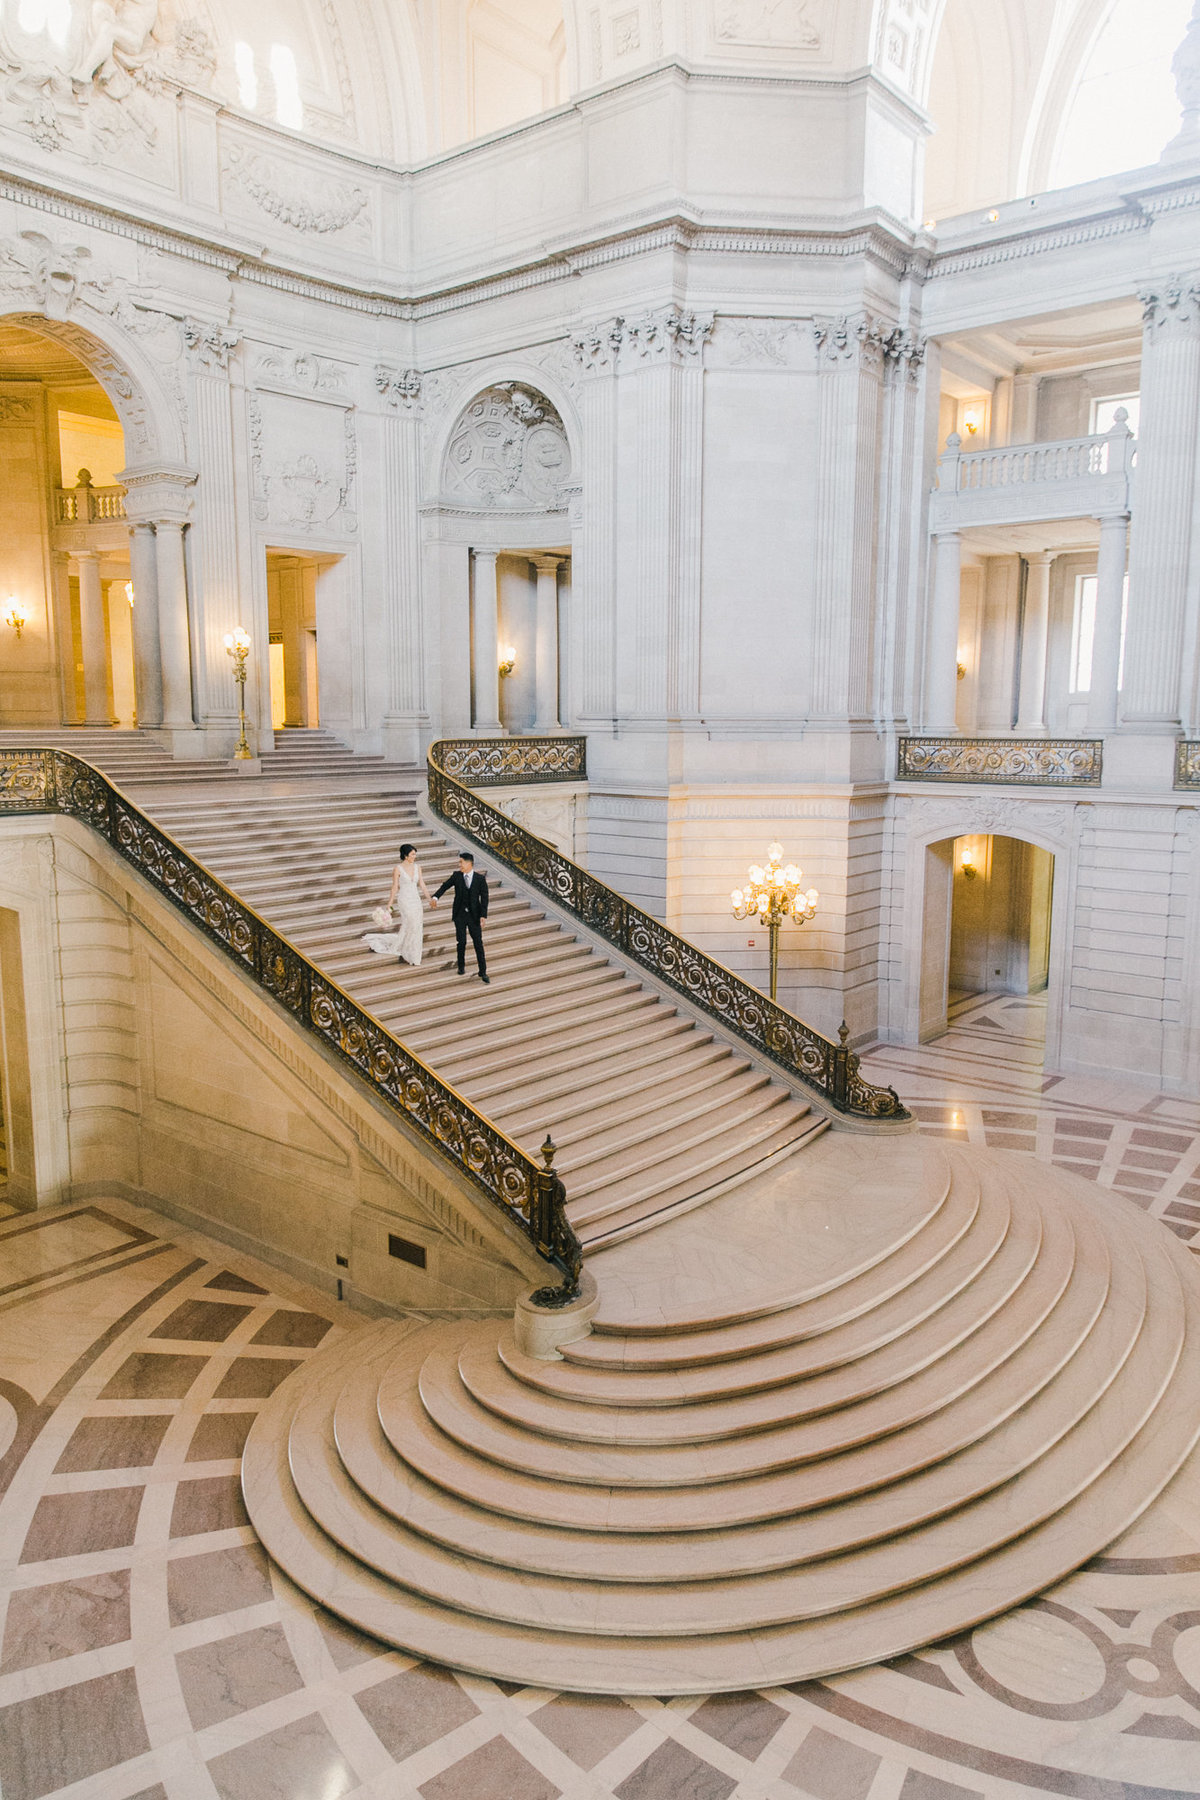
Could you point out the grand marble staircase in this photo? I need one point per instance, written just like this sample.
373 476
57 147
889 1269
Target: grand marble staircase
848 1411
650 1110
135 762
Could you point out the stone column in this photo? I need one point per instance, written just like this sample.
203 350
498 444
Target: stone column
174 647
158 495
487 644
406 706
1031 699
546 654
96 682
1106 641
594 565
217 603
941 676
1163 525
147 655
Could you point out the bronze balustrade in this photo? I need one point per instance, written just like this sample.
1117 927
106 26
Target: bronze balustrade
1016 762
827 1069
1187 763
532 1197
493 762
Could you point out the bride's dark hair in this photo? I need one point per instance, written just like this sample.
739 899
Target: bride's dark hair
405 849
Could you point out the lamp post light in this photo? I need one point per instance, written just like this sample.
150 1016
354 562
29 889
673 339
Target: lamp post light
237 646
774 894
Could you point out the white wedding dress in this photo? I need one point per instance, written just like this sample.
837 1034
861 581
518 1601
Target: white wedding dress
408 924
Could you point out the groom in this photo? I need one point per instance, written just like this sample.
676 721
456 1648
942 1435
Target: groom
470 910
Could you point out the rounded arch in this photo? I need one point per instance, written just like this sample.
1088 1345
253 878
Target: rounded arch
530 385
150 420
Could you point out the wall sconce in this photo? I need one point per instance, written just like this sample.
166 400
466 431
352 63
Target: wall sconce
974 417
508 659
967 863
129 594
961 669
17 617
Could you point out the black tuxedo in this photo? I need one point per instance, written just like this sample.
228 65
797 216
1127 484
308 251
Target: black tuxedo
470 906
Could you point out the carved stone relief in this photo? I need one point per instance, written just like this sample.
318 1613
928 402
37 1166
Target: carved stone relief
508 449
400 388
873 343
297 197
101 84
905 42
303 373
1172 307
766 24
304 464
757 343
14 410
664 332
986 815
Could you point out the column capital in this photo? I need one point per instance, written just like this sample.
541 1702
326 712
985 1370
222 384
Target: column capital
547 563
1171 307
155 491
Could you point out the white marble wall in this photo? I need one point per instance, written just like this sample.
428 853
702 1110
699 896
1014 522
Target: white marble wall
714 284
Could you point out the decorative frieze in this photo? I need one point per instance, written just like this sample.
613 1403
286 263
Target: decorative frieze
667 332
309 489
210 346
1018 762
766 25
298 198
870 341
301 372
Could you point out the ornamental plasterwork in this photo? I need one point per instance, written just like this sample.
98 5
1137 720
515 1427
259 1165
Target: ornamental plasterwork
766 24
1172 307
905 40
1056 762
400 388
560 364
13 409
871 342
298 198
303 373
986 816
52 277
101 83
756 343
508 449
663 332
209 346
309 489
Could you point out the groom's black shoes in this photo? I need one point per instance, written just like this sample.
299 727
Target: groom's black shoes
486 980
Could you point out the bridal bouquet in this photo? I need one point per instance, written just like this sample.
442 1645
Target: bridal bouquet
382 916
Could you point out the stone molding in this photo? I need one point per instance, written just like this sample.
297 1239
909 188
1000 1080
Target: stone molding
159 491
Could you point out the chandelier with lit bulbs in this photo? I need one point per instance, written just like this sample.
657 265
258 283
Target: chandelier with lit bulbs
775 894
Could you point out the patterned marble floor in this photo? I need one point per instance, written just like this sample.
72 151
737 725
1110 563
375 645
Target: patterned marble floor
150 1653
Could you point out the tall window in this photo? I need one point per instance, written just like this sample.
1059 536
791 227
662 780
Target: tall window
1104 412
1124 108
289 108
247 75
1083 635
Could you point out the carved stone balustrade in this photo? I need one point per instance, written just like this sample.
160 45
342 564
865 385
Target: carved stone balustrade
88 505
1014 762
1072 478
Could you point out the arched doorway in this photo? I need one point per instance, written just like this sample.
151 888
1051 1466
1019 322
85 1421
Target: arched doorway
986 926
65 572
94 625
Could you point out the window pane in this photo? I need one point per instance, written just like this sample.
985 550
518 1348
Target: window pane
1104 412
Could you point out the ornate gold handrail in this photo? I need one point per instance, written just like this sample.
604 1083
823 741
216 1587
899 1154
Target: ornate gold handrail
54 781
828 1069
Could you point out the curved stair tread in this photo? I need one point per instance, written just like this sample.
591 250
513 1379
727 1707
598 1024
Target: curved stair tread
838 1297
910 1381
948 1476
720 1663
829 1457
775 1360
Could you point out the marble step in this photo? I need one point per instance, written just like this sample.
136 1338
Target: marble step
501 1588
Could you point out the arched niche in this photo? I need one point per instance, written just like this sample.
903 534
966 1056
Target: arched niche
507 449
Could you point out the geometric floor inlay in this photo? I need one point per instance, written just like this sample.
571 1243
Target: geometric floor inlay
149 1652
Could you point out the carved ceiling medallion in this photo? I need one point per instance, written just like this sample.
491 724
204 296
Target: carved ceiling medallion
508 449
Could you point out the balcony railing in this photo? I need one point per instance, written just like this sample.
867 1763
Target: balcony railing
1068 478
88 505
1017 762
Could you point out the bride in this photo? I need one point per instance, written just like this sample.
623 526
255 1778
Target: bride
408 891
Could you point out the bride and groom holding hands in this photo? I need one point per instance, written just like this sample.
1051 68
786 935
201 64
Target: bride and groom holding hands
404 911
